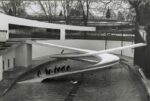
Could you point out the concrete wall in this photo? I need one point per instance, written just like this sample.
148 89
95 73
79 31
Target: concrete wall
23 55
1 68
39 51
17 57
8 57
3 35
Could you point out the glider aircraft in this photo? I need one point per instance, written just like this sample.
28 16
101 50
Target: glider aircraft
104 59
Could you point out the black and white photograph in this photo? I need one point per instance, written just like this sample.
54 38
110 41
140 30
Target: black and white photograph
74 50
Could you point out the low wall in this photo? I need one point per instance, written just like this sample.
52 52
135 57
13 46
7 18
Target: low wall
40 51
139 74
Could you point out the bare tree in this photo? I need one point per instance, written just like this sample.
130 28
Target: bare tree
120 16
16 7
108 14
85 6
140 6
104 6
67 5
49 8
106 3
135 4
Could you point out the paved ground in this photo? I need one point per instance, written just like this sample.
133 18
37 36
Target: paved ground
11 75
115 84
111 85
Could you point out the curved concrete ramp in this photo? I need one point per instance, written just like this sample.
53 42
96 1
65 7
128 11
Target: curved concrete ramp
115 84
85 69
6 20
104 61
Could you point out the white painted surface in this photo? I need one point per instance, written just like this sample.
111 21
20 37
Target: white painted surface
3 35
4 27
3 22
62 35
6 19
1 68
106 60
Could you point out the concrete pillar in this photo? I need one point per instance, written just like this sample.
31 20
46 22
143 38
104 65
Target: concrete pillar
3 35
1 68
62 34
4 32
23 55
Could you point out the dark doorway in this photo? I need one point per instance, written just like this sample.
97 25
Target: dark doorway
3 65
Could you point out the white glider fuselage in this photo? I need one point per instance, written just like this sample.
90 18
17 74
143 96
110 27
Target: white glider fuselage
103 61
103 56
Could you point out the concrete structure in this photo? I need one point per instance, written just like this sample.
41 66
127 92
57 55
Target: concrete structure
21 56
8 59
6 20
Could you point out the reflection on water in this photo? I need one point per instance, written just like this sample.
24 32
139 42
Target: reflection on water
107 85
